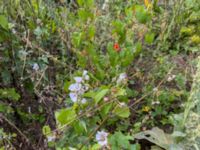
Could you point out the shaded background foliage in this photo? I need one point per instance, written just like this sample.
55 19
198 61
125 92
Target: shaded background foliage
59 36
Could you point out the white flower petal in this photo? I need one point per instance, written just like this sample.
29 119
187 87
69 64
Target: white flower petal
75 87
78 79
36 67
85 72
101 138
50 138
84 100
86 77
103 143
122 78
73 96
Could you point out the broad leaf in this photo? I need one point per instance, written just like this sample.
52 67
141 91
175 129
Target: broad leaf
65 116
100 94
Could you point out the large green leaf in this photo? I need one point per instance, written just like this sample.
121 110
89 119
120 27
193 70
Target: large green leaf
65 116
3 22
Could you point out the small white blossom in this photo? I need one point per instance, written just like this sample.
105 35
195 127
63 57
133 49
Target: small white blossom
75 87
122 104
85 72
85 75
36 67
122 78
78 79
50 138
155 103
101 138
84 100
74 97
170 78
14 31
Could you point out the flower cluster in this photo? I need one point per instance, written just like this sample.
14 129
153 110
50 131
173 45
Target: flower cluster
78 88
101 138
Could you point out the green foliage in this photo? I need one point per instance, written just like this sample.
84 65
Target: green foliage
122 111
120 141
100 94
141 14
9 94
65 116
138 74
3 22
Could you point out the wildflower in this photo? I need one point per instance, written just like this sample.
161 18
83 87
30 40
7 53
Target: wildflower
148 4
84 100
106 99
75 87
73 96
116 47
122 78
85 75
78 79
146 109
85 72
170 78
101 138
78 88
122 104
35 67
51 138
155 103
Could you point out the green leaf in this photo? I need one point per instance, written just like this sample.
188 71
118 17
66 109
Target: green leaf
9 93
84 14
122 111
96 147
89 3
3 22
141 14
80 2
120 92
120 141
105 109
149 38
46 130
100 94
80 127
4 108
65 116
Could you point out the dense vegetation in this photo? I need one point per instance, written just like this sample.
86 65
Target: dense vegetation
99 74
